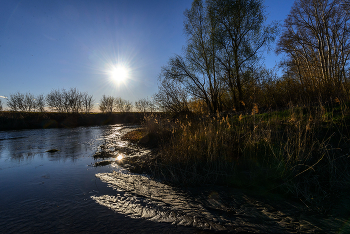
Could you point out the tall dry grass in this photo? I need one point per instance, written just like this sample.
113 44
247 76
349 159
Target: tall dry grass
301 151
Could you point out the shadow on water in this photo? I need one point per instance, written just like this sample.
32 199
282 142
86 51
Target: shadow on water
210 208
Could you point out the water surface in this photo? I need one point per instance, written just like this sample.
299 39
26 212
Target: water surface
42 192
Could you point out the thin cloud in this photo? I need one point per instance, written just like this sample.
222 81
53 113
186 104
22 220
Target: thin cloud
3 97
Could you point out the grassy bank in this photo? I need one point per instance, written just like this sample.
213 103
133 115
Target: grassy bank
33 120
301 152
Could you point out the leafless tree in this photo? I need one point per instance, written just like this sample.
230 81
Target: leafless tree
70 100
40 103
122 105
29 102
240 36
55 100
197 70
74 100
142 105
15 102
316 40
171 96
0 105
87 102
107 104
127 106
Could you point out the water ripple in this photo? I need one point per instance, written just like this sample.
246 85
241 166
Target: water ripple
152 200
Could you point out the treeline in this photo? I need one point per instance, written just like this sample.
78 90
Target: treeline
221 68
74 101
109 104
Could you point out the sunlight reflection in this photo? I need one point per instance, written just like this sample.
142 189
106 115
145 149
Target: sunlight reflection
120 157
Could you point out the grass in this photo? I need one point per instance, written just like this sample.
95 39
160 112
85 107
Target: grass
134 136
302 152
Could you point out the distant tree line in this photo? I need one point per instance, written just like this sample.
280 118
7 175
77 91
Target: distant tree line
109 104
222 70
74 101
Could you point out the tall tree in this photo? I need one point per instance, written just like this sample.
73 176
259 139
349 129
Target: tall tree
197 70
316 40
240 35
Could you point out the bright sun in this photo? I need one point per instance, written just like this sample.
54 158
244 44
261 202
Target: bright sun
119 73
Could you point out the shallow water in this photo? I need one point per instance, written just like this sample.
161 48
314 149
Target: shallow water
42 192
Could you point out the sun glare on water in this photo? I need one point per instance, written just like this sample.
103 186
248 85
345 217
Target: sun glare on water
120 157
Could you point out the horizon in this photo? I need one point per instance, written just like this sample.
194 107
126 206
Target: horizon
63 44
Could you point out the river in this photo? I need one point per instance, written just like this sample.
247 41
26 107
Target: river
42 192
63 192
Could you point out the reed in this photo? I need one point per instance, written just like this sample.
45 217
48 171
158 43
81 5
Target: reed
301 151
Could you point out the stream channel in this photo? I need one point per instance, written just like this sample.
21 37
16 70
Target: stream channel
63 192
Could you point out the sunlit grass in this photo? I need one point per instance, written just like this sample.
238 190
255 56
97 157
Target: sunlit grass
301 151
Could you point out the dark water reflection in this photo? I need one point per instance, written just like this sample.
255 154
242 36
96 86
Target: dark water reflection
42 192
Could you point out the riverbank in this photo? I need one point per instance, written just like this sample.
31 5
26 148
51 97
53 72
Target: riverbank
300 153
239 209
38 120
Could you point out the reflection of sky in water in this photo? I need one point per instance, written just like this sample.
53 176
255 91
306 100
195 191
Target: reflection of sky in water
42 192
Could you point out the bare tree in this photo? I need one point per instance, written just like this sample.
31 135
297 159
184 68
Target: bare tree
240 36
74 100
87 102
15 102
28 102
197 70
142 105
12 103
55 100
122 105
127 106
40 103
0 105
316 40
107 104
171 96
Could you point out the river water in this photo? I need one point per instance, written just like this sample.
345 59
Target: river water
59 192
63 192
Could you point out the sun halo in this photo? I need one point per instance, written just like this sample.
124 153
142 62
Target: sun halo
119 73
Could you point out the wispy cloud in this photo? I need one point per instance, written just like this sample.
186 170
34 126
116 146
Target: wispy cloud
3 97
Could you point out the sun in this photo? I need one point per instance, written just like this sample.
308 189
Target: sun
119 73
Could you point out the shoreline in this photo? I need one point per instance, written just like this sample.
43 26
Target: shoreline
42 120
227 200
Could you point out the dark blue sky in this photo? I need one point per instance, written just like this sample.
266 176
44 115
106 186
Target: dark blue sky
46 45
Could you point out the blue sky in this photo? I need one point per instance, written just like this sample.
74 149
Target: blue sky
47 45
